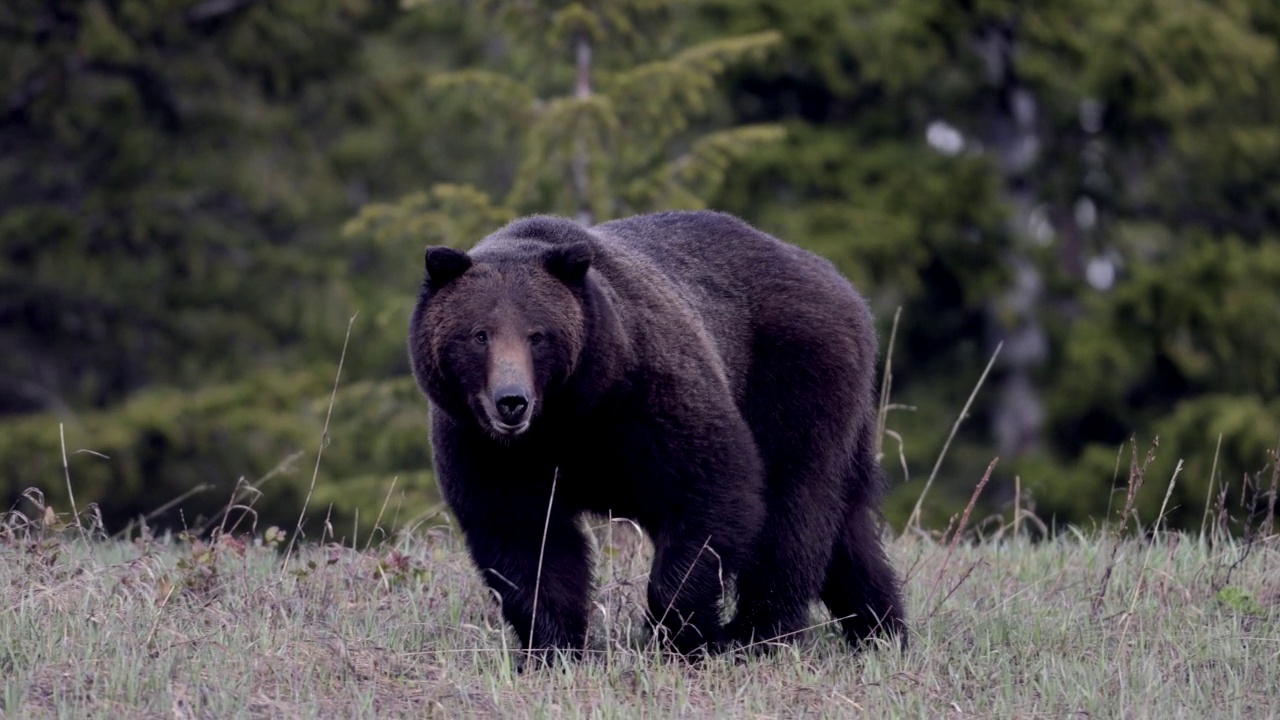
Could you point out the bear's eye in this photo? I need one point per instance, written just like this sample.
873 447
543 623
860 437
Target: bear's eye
536 338
481 337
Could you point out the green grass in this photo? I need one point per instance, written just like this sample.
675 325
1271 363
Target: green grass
176 628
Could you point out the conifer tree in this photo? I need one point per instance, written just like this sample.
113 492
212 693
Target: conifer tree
173 291
600 107
1094 182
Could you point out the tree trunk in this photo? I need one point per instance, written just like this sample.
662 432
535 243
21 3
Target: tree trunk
581 159
1012 136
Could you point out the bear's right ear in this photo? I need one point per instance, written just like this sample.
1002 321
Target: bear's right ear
569 262
444 265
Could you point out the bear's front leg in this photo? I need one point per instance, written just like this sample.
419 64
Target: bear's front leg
500 497
709 508
686 587
506 551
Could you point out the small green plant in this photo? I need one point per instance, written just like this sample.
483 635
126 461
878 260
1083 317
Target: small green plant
39 534
396 568
200 567
1241 601
273 537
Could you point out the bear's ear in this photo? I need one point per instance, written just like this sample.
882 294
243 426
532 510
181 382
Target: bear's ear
569 262
444 265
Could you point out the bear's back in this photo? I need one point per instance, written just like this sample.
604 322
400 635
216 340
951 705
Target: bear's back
726 267
743 285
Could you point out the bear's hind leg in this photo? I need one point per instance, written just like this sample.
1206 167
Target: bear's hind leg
785 572
802 408
861 588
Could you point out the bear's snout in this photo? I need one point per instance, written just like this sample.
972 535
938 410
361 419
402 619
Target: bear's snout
512 403
509 397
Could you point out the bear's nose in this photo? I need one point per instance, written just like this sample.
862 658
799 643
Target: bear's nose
512 405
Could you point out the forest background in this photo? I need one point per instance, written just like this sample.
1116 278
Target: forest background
199 199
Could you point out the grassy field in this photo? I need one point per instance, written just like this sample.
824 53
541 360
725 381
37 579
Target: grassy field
171 627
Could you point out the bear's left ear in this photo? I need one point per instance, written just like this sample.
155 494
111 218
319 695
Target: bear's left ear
444 265
569 262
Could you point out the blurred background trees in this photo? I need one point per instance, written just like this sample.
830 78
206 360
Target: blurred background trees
197 195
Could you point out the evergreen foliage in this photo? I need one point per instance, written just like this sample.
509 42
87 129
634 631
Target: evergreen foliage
197 195
172 286
597 105
1109 210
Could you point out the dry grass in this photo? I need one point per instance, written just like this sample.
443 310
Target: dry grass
1112 624
174 627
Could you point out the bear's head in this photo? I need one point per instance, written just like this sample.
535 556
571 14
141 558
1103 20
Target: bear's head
497 330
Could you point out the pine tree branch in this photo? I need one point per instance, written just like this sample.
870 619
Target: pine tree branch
702 170
214 9
482 88
660 98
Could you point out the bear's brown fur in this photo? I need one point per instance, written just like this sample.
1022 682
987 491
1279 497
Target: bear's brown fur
684 370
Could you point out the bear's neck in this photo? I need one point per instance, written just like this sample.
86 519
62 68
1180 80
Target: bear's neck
608 355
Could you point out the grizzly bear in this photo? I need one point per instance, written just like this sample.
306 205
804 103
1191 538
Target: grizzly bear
684 370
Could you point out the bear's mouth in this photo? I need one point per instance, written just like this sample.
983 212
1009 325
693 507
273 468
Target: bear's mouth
508 430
